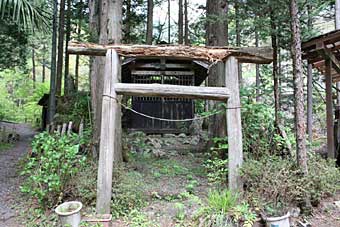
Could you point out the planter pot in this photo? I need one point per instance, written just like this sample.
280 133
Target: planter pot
69 213
282 221
104 220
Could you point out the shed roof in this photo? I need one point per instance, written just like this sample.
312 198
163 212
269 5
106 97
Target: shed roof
320 48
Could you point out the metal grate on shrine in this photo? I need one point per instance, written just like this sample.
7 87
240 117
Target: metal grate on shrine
161 71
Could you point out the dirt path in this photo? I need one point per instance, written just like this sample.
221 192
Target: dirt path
9 176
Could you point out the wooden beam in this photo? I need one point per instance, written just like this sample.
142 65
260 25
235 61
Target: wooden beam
107 147
158 73
234 126
335 62
259 55
173 91
329 112
320 39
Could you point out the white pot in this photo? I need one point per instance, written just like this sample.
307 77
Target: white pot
282 221
69 213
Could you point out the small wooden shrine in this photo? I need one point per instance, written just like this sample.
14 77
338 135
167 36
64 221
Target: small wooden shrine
161 71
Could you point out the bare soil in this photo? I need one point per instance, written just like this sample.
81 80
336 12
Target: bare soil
9 176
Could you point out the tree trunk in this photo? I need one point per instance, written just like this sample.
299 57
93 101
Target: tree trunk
149 29
298 88
169 22
80 21
52 98
180 21
110 31
217 35
275 67
67 78
128 22
186 23
310 86
43 64
94 8
33 67
60 46
257 69
238 36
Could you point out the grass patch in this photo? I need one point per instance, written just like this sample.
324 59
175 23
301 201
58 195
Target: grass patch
5 146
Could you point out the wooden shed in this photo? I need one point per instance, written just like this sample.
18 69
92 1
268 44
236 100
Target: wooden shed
161 71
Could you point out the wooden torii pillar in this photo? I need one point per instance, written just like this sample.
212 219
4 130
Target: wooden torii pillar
110 107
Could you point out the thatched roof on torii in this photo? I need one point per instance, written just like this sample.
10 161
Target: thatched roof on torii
258 55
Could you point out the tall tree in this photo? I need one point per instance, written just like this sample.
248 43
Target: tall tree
43 76
238 34
298 88
33 67
149 30
274 32
186 23
61 32
79 27
180 21
309 84
169 21
67 78
52 98
257 67
217 35
106 27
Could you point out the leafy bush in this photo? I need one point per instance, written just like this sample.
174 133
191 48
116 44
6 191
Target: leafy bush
55 159
323 178
260 135
276 183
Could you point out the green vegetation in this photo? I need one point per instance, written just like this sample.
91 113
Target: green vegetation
55 159
18 101
276 183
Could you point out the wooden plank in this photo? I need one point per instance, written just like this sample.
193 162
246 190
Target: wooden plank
173 91
158 66
69 128
260 55
81 128
234 126
107 139
329 108
158 73
63 130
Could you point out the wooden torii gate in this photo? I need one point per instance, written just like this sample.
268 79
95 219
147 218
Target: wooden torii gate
112 89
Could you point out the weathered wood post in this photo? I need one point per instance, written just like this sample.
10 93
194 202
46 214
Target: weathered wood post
329 108
108 133
234 127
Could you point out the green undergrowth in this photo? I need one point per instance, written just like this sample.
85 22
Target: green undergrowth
273 184
5 146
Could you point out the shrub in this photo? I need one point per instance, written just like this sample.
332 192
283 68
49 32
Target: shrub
55 159
276 183
323 179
